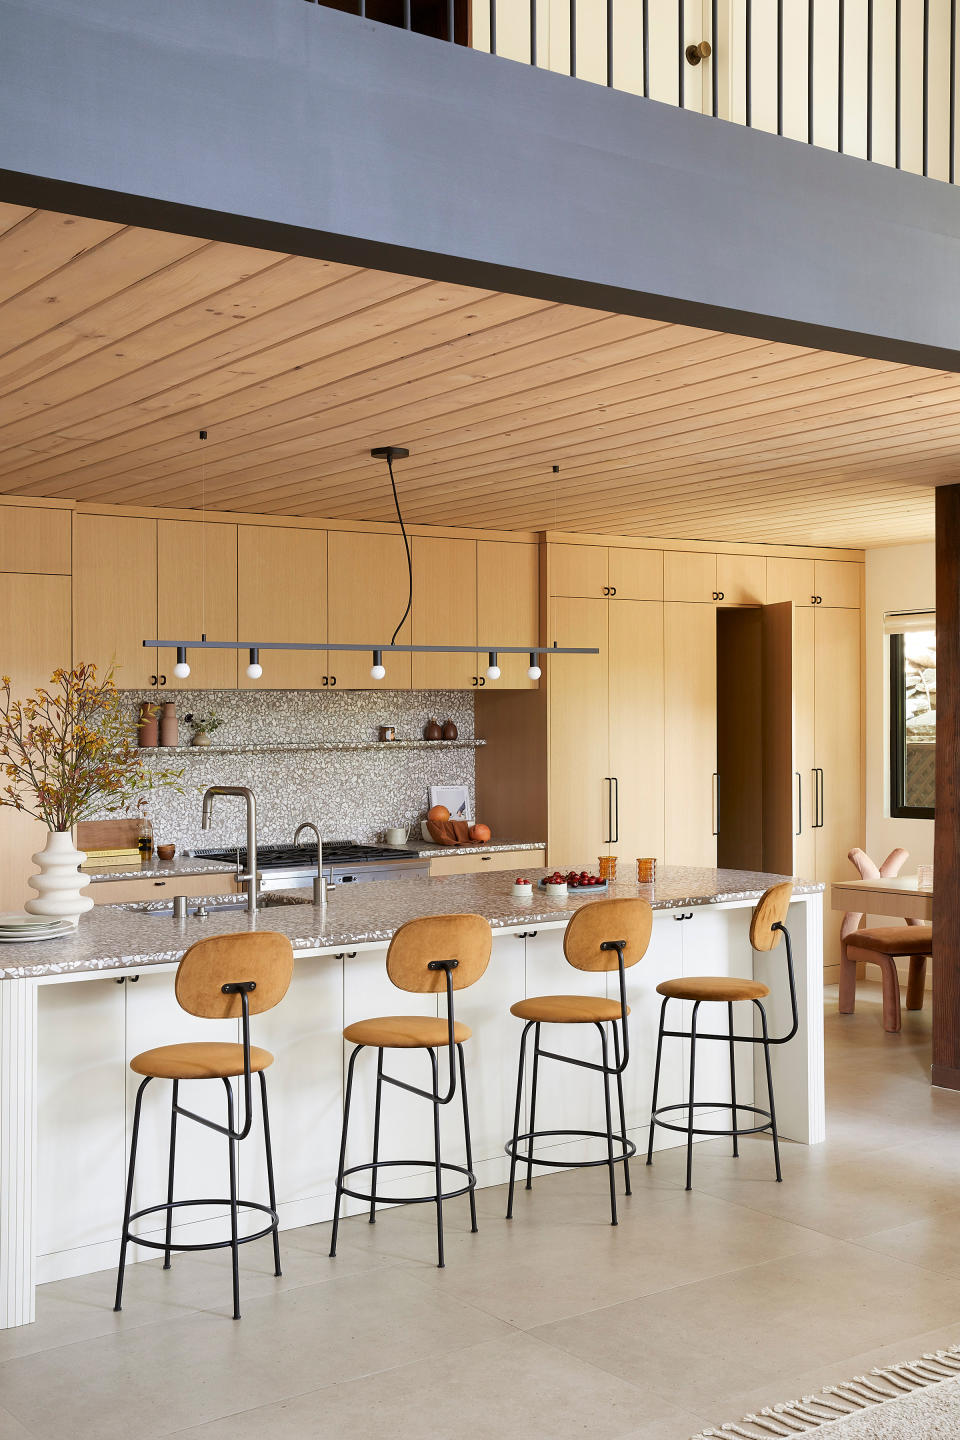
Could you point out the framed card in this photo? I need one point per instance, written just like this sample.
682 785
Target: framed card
455 797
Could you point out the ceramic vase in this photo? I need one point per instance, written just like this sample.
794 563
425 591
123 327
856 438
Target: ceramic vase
169 729
450 731
432 731
200 737
148 726
59 883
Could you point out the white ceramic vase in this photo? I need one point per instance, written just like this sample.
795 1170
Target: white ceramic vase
59 883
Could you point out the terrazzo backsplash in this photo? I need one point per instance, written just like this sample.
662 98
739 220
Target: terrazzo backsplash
350 795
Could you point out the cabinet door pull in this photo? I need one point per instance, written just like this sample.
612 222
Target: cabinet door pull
606 589
474 680
613 589
486 857
333 679
483 679
153 679
325 680
616 809
716 594
163 679
721 595
715 802
799 829
817 798
608 840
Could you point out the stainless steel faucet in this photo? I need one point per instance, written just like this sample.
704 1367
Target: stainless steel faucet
319 884
251 877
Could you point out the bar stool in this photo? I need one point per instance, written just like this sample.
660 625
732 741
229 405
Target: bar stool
225 977
605 935
438 953
766 927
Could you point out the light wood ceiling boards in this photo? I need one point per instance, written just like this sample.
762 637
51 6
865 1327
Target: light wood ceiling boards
117 345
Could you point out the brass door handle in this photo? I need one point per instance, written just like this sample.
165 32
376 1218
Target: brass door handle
696 53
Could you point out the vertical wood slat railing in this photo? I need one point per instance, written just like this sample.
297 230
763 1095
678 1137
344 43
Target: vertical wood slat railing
860 58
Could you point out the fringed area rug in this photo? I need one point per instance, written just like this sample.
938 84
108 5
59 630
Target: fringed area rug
920 1401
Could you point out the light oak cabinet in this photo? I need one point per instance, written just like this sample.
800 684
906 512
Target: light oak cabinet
367 590
742 579
282 595
690 575
790 580
836 790
580 817
635 574
514 860
115 597
196 596
690 742
508 607
578 570
34 641
636 727
34 540
444 611
838 583
474 592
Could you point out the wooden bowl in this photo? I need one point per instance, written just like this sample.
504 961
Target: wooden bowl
166 852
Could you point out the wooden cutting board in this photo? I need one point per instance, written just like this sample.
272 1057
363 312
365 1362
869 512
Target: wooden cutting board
108 834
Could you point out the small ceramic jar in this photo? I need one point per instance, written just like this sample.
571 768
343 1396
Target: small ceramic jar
557 892
523 889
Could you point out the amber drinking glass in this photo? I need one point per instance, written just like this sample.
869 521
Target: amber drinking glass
646 872
607 865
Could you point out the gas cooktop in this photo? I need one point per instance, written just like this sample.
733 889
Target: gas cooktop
286 857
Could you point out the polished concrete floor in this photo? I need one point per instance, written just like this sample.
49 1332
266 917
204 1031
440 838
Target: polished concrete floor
696 1309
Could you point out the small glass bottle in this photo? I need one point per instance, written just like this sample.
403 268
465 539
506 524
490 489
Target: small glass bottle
145 838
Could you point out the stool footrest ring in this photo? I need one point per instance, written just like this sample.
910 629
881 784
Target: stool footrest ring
628 1148
212 1244
713 1105
408 1199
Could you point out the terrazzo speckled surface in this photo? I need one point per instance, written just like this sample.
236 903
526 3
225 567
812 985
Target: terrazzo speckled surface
350 794
110 938
187 865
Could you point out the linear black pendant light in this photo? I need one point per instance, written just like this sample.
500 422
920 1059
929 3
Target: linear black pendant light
376 648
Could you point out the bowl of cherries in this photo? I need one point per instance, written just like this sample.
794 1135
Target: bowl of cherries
573 881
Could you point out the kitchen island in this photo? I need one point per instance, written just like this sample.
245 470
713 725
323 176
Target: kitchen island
73 1012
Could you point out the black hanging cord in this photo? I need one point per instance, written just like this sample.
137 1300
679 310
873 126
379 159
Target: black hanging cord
406 545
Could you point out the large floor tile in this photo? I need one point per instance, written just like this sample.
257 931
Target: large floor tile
701 1342
206 1366
510 1386
548 1265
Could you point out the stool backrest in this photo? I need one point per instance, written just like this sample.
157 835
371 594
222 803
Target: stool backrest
771 909
606 920
464 938
266 958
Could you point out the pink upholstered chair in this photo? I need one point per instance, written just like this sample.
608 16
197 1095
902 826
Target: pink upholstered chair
882 946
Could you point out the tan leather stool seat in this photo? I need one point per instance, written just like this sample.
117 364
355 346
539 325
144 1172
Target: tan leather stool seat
894 939
405 1032
712 987
567 1009
198 1060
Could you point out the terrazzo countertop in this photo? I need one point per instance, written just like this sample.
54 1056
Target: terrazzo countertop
160 869
427 850
112 938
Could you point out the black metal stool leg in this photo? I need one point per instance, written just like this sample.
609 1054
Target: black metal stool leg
623 1113
690 1101
234 1225
343 1151
533 1103
376 1138
609 1113
173 1152
773 1112
733 1080
436 1156
656 1081
516 1119
466 1139
271 1185
128 1203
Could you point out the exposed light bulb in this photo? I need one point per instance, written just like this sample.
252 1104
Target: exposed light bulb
181 669
254 669
377 670
534 672
493 669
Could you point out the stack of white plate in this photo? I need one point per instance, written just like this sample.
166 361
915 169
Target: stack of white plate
18 928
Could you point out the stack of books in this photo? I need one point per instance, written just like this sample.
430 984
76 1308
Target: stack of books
108 859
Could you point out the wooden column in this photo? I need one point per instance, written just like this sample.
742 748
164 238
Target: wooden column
946 903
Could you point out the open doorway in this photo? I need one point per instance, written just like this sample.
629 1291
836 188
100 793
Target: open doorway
740 739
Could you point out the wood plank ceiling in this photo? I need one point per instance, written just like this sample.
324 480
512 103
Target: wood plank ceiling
117 345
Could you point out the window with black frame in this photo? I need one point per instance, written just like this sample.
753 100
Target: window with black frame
913 717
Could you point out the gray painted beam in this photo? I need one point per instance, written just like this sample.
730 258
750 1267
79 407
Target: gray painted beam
286 125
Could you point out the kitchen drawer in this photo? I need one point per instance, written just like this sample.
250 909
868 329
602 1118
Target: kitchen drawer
126 892
475 864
